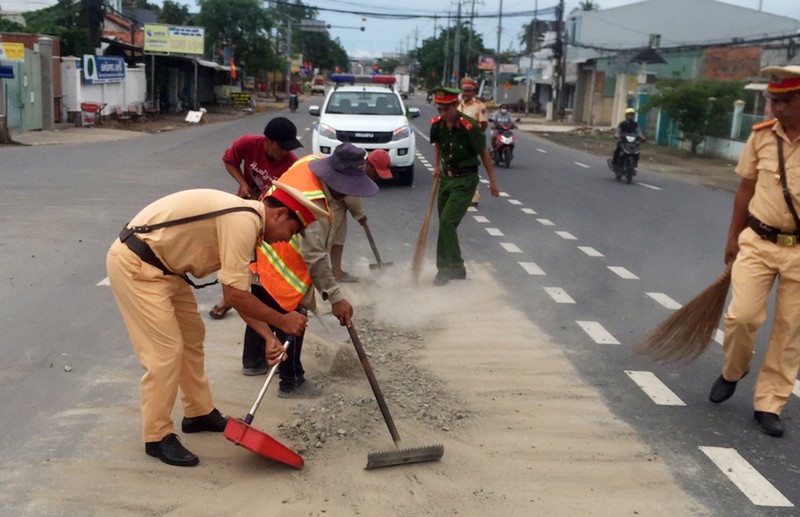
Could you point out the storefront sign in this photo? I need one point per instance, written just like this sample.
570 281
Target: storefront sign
103 69
241 100
177 39
12 52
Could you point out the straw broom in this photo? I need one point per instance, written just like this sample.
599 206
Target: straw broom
686 334
419 252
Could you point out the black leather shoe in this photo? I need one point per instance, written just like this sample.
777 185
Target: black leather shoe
213 422
722 390
441 279
171 451
769 423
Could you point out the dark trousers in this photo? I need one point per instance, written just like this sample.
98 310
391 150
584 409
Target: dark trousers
455 195
291 370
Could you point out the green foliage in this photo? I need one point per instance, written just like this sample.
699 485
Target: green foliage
699 107
387 65
173 13
588 5
432 52
62 20
7 25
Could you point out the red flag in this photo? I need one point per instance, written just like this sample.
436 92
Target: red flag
233 69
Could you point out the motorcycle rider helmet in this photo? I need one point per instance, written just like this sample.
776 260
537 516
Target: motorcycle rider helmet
630 111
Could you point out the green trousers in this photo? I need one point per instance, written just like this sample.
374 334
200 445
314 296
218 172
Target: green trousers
455 195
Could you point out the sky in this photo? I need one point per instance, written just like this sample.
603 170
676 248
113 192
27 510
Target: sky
385 36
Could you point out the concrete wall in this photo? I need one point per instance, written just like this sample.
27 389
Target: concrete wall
722 147
132 91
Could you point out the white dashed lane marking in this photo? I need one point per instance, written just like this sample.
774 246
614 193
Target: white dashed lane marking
530 211
567 236
796 389
746 478
504 194
494 232
579 164
719 336
541 150
623 273
653 187
655 389
559 295
532 268
510 247
514 202
598 333
104 282
546 222
484 181
472 209
481 218
665 300
590 251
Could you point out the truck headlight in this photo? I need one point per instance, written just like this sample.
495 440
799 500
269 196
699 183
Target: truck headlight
399 134
327 131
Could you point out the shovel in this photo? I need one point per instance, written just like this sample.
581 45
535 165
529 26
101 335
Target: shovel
240 432
398 456
380 264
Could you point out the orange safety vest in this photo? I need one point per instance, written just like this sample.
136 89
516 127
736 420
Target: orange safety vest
280 267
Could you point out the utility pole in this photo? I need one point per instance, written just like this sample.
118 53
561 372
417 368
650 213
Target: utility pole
288 55
469 39
558 72
445 77
529 75
457 48
497 53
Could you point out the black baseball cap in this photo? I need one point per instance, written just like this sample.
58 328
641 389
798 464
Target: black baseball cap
282 131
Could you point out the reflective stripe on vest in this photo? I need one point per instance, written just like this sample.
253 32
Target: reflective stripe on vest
282 272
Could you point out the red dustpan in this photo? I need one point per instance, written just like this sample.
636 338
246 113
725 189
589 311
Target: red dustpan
240 432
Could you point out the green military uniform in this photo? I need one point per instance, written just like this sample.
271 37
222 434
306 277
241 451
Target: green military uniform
461 147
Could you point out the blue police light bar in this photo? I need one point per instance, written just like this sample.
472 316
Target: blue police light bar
6 72
353 79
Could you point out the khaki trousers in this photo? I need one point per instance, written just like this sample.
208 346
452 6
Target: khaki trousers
757 266
167 335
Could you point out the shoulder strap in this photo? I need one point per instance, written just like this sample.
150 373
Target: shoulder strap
186 220
786 194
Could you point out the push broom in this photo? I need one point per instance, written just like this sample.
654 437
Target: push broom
686 334
398 456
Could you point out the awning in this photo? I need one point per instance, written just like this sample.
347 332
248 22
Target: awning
211 64
759 87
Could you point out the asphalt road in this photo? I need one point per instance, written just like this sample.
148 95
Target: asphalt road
593 262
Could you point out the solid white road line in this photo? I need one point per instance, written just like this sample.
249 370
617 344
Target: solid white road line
494 232
510 247
559 295
532 268
579 164
567 236
590 251
104 282
530 211
746 478
541 150
665 300
481 218
623 273
514 202
546 222
648 186
655 389
599 334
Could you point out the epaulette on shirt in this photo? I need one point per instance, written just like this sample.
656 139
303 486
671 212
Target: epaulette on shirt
435 119
465 123
764 125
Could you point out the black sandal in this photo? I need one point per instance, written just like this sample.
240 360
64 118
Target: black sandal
218 312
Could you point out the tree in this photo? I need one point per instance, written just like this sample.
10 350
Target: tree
430 54
698 107
541 26
173 13
7 25
588 5
64 21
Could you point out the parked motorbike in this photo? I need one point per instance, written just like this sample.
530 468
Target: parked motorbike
628 158
503 146
293 102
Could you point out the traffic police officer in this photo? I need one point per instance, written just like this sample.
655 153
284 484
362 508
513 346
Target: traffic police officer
470 106
763 242
459 144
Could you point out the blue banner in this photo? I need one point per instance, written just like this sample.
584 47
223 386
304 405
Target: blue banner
103 69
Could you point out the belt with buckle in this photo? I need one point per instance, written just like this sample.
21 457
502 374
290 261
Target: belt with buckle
772 234
457 172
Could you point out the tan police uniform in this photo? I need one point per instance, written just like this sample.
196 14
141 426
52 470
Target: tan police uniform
476 110
160 311
758 264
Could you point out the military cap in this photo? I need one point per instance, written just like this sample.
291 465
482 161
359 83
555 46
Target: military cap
442 95
468 82
782 80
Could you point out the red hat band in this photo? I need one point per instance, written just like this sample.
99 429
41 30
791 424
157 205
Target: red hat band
790 84
303 213
445 98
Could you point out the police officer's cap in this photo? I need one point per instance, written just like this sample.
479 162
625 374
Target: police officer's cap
783 81
442 95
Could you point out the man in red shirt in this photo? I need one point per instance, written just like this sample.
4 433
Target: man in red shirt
254 161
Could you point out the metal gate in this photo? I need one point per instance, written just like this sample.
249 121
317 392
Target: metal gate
24 94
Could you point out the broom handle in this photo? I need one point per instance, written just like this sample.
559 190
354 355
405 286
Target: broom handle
419 253
373 382
372 243
251 414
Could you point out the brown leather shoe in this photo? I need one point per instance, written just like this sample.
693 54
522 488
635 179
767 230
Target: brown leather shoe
171 451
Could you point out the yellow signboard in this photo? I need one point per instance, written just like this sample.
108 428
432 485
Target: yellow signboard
12 52
173 39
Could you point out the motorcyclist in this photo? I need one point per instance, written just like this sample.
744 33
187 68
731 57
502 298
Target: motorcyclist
502 120
627 126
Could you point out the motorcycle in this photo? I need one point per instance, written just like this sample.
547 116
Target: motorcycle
429 98
503 146
628 158
293 102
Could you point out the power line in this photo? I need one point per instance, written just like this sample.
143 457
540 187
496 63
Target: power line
411 16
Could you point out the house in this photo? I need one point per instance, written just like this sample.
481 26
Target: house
635 44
